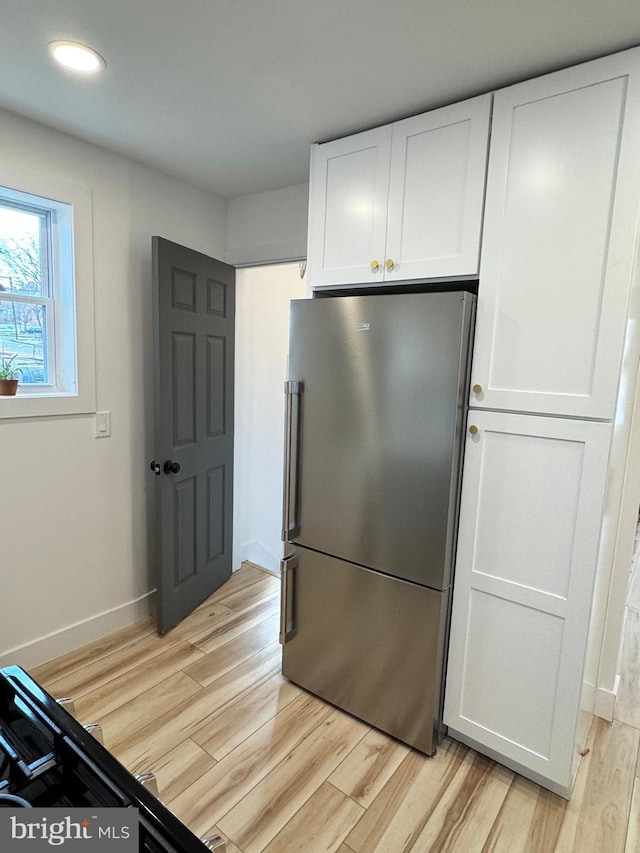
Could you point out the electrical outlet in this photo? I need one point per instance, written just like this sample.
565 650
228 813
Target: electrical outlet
103 424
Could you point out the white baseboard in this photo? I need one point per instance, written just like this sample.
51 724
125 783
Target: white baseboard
605 701
262 569
256 552
74 636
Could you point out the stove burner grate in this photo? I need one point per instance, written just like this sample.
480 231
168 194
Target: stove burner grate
11 801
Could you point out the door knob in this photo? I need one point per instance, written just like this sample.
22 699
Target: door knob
155 467
171 467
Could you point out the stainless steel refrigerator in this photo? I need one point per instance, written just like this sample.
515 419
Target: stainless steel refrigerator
375 413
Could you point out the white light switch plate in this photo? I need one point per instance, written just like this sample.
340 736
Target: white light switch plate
103 424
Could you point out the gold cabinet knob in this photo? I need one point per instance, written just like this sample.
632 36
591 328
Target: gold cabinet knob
375 266
389 264
473 429
477 389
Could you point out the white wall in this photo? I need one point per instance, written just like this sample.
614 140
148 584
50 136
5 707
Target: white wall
267 227
74 513
619 527
262 333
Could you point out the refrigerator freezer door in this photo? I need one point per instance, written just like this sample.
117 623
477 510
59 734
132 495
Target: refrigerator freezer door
368 643
379 433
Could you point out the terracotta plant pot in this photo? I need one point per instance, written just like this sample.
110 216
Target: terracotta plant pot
8 387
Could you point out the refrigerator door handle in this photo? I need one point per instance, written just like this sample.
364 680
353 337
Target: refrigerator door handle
287 567
293 402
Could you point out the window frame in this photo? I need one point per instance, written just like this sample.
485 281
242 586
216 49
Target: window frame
52 278
71 257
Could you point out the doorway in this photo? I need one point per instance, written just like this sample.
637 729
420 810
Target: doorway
263 295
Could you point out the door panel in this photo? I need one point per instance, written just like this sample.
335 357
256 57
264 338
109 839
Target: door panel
184 511
530 516
216 362
183 380
558 241
347 221
194 334
215 513
382 406
436 191
344 620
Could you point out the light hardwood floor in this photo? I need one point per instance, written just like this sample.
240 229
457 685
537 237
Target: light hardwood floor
239 750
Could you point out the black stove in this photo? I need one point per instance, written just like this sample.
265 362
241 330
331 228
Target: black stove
47 759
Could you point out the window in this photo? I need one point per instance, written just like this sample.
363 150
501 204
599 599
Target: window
46 295
34 281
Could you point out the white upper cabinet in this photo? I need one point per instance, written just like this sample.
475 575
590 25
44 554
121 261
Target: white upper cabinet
348 193
532 497
559 231
436 192
403 201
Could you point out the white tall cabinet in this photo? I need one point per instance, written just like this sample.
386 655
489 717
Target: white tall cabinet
560 225
528 542
403 201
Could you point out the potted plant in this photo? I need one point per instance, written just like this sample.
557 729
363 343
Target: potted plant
8 381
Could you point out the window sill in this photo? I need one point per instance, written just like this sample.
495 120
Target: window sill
46 405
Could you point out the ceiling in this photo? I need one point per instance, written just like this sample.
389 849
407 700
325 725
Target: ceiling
228 94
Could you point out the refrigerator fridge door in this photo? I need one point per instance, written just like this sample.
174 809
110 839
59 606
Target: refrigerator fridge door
376 407
371 644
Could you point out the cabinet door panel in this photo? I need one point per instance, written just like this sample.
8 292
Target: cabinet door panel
436 191
529 663
558 240
348 208
532 498
520 473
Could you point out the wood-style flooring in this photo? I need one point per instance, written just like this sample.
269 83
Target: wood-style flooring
239 750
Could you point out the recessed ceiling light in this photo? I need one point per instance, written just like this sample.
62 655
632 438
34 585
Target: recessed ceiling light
76 56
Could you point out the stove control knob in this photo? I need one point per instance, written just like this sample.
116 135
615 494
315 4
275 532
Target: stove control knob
215 842
68 704
96 730
148 780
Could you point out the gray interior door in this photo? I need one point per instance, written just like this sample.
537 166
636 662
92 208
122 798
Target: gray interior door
194 318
